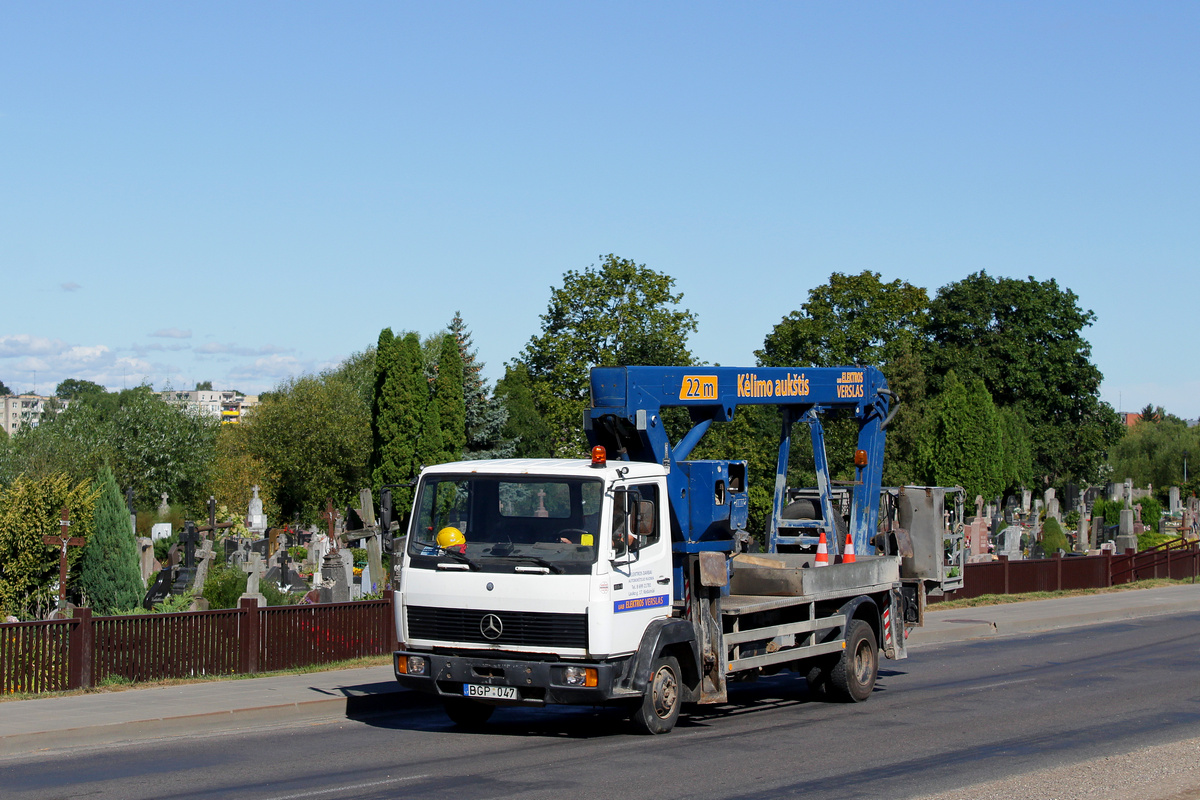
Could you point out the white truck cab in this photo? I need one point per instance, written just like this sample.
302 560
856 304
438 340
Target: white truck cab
566 566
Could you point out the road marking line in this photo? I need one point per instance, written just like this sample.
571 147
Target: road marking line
349 788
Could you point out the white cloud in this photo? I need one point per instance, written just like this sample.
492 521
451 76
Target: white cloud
22 344
70 286
172 333
216 348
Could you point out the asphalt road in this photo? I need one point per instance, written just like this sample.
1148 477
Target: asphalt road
949 716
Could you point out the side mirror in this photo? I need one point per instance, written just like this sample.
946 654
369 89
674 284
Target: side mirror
627 521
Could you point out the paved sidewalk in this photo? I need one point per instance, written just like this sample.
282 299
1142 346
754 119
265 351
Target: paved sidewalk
1033 616
107 717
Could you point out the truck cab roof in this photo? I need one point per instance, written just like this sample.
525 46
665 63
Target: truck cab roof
563 467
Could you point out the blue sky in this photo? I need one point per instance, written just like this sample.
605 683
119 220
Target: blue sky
240 192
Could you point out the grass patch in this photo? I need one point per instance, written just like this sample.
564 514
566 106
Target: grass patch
1001 599
117 683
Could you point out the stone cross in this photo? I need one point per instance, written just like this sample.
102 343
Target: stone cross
64 540
252 567
188 539
331 516
163 508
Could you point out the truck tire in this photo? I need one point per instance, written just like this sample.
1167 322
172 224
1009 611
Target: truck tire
817 674
852 678
659 709
467 713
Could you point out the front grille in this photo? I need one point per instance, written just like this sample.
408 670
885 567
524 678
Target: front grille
519 628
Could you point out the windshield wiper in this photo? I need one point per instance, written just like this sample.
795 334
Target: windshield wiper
463 558
541 562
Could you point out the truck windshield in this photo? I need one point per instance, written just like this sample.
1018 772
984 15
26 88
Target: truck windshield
509 524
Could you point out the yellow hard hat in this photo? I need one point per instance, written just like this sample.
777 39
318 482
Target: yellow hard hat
450 537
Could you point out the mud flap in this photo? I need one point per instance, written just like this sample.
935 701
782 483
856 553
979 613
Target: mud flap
893 625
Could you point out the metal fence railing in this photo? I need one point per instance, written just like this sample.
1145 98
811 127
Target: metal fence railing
83 651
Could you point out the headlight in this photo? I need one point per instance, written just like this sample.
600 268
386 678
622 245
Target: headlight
410 665
579 676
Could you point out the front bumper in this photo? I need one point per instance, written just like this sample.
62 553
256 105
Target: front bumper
537 682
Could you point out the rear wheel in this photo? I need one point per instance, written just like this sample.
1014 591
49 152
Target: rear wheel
852 678
659 709
467 713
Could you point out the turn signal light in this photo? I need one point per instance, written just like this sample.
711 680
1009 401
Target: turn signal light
860 458
599 457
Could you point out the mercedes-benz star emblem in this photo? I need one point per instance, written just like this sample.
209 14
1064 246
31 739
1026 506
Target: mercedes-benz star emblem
491 627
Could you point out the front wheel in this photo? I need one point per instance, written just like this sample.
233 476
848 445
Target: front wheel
659 709
467 713
852 678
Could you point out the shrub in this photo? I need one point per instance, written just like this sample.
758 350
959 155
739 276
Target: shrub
1053 538
224 585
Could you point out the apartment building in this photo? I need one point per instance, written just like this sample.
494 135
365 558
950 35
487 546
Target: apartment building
26 409
229 406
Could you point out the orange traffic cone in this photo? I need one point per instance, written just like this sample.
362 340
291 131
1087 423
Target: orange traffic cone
848 555
822 553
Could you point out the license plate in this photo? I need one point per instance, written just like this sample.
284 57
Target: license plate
490 692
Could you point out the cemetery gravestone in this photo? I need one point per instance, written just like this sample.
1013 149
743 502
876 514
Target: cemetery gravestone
1126 540
1173 495
253 567
160 530
257 522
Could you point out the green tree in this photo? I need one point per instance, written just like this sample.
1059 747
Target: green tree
963 447
485 415
314 433
235 470
1152 453
853 319
523 425
30 508
109 575
203 386
988 467
908 429
449 399
620 313
1024 339
4 390
150 445
384 408
1017 467
73 388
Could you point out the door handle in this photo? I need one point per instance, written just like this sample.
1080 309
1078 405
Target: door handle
664 581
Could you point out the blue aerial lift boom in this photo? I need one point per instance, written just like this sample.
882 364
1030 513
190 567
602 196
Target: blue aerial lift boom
626 418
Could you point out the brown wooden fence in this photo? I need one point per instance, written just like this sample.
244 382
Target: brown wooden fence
1176 559
85 650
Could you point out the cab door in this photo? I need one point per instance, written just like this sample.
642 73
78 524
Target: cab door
640 552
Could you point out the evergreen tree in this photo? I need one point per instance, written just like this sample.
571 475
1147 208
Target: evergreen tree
449 399
485 414
383 403
403 398
988 453
1053 538
906 377
524 425
1017 470
109 577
